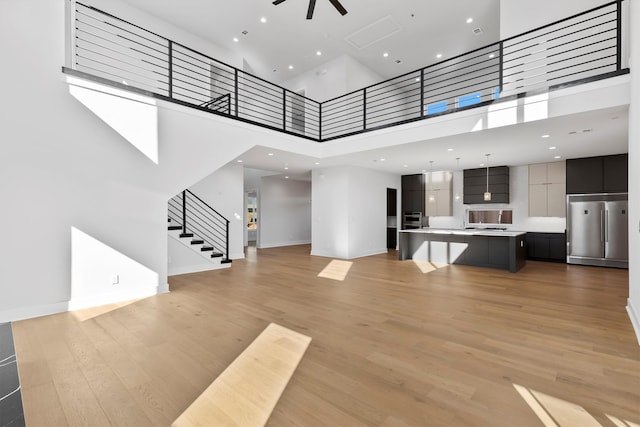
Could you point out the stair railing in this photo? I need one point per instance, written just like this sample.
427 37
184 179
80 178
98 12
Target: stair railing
201 222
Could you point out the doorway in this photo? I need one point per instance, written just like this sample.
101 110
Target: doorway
251 218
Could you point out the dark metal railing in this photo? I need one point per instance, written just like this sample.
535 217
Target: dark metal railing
574 50
580 48
204 222
115 50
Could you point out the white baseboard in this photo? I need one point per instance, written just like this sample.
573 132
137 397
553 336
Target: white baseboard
22 313
635 320
368 253
358 255
281 244
239 255
188 269
114 297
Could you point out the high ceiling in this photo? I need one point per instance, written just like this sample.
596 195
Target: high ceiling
410 31
413 32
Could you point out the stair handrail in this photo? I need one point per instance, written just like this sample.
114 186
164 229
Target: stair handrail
198 217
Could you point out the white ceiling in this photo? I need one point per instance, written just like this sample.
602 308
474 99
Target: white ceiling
425 28
593 133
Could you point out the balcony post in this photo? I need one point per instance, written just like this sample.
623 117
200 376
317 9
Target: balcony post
170 69
184 212
364 108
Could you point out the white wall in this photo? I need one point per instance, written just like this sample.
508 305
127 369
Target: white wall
69 163
125 11
284 212
633 306
350 211
519 16
334 78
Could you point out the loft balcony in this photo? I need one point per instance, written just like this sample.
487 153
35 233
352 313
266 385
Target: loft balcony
579 49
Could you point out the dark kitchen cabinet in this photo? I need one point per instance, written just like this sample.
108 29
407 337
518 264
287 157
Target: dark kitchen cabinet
392 240
616 174
547 246
603 174
477 252
392 197
475 185
413 193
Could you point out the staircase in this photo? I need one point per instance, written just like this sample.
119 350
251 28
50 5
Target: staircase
195 224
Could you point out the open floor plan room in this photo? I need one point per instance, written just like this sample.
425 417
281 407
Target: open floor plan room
392 344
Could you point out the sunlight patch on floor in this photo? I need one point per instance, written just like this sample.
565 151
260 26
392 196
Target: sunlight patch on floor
556 412
90 313
336 270
246 392
429 266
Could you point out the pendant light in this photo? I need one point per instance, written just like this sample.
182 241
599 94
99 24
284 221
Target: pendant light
487 194
457 197
432 198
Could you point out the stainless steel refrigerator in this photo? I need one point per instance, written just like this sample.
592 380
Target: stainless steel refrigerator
598 229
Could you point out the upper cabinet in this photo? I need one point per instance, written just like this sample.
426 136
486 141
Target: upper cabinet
429 193
475 185
438 193
413 193
547 189
604 174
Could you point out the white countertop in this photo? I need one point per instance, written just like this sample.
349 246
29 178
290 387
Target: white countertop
467 232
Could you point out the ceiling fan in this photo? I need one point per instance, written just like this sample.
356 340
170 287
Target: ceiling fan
312 6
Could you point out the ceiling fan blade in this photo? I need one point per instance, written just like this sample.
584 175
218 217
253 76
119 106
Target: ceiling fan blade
338 5
277 2
312 6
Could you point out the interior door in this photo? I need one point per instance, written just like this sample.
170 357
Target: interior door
586 230
617 230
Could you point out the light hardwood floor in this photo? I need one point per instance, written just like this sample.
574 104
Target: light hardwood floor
391 346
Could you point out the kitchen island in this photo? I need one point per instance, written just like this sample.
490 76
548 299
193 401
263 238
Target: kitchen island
505 250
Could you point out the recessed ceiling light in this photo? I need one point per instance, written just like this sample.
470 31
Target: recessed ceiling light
493 55
317 163
469 20
291 67
286 177
449 149
386 54
424 171
545 136
270 154
405 166
383 159
552 148
417 79
263 19
439 56
318 53
239 161
235 39
557 157
481 164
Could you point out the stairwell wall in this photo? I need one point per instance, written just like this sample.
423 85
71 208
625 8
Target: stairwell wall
85 210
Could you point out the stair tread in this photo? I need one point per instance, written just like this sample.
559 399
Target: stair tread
197 242
226 261
186 234
175 227
216 255
206 249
